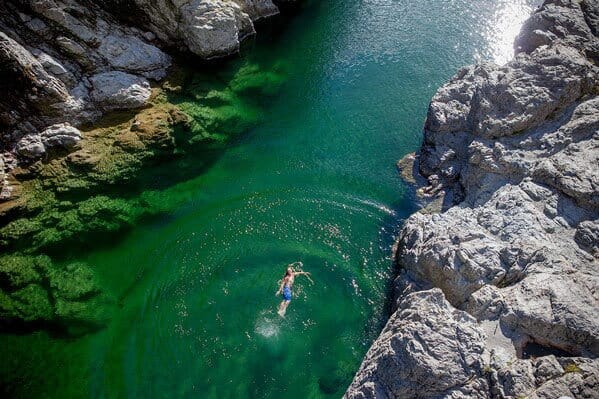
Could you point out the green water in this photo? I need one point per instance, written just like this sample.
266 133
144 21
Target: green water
313 180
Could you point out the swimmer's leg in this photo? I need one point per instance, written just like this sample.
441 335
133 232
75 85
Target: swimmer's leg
283 308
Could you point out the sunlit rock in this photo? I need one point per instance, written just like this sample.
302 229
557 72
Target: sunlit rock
511 153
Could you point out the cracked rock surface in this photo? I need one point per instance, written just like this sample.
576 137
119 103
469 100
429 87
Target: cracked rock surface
510 168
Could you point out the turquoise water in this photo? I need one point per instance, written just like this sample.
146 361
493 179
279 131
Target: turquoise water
313 181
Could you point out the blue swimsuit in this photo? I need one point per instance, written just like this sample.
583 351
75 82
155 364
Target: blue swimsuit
286 293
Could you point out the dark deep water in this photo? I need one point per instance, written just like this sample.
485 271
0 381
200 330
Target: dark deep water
315 181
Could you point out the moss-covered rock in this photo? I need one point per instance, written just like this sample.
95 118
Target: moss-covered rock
17 271
99 187
224 107
73 283
251 79
68 298
22 295
28 304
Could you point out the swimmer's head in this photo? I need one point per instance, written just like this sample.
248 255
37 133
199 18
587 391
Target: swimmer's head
289 271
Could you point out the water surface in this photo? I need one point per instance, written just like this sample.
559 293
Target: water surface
314 181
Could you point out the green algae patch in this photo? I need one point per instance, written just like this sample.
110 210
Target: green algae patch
101 187
53 225
254 80
28 304
19 271
223 106
67 298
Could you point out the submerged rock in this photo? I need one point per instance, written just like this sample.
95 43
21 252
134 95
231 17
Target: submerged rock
511 153
34 291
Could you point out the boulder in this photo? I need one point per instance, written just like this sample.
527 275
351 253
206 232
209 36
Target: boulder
31 147
119 90
214 27
60 135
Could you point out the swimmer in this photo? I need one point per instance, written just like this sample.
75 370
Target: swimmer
286 284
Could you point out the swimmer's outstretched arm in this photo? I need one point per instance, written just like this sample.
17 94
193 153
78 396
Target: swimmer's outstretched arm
302 273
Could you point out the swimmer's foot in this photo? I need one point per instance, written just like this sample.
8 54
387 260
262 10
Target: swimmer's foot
281 312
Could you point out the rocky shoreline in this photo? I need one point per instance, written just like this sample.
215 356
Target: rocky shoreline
66 63
94 100
498 288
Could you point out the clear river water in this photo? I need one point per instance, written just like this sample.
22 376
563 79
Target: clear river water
313 180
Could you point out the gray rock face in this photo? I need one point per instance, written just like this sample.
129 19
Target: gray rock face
44 90
426 343
119 90
512 155
102 40
126 53
547 377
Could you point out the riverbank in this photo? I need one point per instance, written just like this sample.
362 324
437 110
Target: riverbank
497 288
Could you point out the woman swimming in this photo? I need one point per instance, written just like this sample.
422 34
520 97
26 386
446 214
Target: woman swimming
286 284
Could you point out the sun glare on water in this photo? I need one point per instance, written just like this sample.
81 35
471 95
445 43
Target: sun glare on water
505 26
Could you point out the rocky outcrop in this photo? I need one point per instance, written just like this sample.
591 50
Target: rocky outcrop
509 166
426 343
71 61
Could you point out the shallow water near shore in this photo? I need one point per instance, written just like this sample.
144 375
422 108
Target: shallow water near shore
312 180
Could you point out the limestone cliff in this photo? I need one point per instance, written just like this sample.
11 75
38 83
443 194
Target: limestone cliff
498 288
